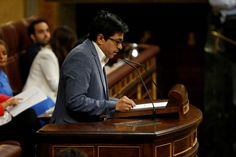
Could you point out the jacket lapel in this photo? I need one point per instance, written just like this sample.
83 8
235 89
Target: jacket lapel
102 72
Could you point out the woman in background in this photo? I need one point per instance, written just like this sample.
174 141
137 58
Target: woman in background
5 101
62 41
22 127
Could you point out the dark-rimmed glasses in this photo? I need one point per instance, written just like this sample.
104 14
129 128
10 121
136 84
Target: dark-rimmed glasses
117 42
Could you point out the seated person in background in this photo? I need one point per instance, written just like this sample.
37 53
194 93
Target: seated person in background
39 34
6 89
70 152
44 72
83 93
63 40
22 127
5 101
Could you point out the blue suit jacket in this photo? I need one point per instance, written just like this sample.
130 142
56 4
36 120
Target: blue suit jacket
82 95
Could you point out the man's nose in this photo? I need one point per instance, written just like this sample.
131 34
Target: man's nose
120 46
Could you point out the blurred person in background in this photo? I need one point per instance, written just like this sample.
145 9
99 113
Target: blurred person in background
39 34
22 127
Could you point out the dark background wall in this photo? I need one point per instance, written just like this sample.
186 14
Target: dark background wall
169 22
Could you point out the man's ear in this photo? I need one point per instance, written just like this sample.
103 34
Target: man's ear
100 39
32 37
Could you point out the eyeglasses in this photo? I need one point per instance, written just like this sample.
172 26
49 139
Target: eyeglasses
117 42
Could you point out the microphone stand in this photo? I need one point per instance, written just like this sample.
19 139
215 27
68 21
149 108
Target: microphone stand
154 111
147 73
217 34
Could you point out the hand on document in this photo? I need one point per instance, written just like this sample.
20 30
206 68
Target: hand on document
27 99
124 104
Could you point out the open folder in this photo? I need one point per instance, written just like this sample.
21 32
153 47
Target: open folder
30 97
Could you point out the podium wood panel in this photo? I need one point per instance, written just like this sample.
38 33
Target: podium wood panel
167 136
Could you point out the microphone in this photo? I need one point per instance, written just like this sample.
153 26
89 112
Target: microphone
147 73
154 111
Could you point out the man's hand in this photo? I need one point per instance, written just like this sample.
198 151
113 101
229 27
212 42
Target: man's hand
124 104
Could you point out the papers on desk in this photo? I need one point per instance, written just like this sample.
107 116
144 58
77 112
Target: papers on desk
30 97
149 105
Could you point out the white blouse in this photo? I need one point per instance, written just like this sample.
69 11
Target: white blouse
44 73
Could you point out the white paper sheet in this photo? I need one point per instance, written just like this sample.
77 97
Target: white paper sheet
30 97
149 105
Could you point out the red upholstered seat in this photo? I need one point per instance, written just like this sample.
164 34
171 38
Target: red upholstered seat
10 149
10 36
1 34
15 34
13 72
21 29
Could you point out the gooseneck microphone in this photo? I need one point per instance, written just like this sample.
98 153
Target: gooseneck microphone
154 111
127 60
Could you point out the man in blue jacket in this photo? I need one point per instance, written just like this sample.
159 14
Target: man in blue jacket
83 93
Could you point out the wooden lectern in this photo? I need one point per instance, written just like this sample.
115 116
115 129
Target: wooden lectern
129 135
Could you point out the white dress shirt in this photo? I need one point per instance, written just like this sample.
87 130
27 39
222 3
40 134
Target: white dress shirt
103 60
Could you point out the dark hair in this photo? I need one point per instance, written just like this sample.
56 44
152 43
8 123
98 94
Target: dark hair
62 41
70 152
106 23
2 42
33 23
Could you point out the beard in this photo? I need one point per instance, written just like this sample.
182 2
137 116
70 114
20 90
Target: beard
43 42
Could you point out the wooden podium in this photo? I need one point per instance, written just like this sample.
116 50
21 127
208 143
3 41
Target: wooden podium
131 135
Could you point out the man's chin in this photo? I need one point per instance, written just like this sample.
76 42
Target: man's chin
111 57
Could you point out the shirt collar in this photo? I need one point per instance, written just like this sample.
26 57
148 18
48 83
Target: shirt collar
102 57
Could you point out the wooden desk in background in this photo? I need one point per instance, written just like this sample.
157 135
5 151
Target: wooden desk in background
167 136
124 80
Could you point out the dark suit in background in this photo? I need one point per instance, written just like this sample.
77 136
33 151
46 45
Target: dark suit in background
27 60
